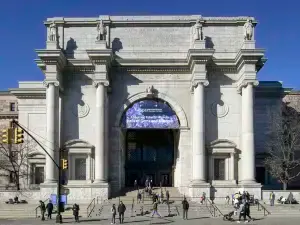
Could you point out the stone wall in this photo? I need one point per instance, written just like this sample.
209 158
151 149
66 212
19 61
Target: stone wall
279 193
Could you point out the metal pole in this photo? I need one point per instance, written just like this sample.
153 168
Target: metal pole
58 217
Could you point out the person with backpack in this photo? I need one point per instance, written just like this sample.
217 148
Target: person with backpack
113 212
185 207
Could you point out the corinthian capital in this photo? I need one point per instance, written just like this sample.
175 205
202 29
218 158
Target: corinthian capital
96 83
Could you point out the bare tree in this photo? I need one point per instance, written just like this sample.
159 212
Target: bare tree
282 161
14 162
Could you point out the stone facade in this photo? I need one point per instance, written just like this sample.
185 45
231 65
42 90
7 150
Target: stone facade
89 83
8 111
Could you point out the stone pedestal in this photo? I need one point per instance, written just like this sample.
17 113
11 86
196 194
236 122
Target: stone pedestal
248 45
253 189
196 190
46 190
52 45
101 44
199 44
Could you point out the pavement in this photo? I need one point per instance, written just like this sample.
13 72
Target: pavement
166 220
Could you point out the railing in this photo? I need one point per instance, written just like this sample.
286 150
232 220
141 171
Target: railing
36 209
261 207
213 209
91 207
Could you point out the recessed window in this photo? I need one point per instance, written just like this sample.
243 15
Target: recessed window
219 169
12 107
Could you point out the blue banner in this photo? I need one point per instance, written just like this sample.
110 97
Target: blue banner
150 114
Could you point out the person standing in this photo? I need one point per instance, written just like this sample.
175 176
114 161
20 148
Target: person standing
139 197
76 212
113 214
155 206
49 210
135 184
43 209
121 211
185 206
272 198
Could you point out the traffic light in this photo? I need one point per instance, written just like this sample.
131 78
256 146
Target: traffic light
19 137
64 164
6 136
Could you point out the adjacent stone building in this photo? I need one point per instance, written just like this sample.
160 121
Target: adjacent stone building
8 112
169 98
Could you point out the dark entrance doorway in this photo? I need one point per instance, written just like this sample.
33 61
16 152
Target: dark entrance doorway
149 154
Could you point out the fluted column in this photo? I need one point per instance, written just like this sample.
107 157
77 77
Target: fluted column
199 159
52 98
248 151
100 134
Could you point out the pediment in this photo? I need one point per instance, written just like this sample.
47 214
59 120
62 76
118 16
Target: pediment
222 143
36 155
78 143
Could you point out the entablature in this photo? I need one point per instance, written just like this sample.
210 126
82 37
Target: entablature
29 93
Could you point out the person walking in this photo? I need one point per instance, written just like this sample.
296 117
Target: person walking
135 184
76 212
121 211
43 210
272 198
113 214
139 197
167 196
247 211
49 210
155 206
185 206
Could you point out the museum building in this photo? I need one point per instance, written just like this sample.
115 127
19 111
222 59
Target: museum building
169 98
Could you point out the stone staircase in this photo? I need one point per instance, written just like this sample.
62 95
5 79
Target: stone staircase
133 209
15 211
284 210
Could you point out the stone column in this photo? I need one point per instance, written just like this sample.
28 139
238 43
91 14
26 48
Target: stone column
232 161
52 99
199 159
88 168
100 134
248 152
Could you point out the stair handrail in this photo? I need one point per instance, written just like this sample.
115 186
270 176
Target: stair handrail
263 208
91 207
36 209
215 208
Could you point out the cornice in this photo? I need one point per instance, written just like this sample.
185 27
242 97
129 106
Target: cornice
249 56
51 57
148 20
100 56
29 93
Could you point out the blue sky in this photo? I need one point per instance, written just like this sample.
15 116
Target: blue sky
22 30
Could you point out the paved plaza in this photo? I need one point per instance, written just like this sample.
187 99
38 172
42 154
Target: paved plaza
165 220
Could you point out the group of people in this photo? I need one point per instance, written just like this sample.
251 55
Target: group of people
242 206
49 208
121 211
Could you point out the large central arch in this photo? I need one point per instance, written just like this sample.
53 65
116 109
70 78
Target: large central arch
155 142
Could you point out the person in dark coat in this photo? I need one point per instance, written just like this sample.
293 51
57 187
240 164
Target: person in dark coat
43 209
185 206
121 211
49 210
76 212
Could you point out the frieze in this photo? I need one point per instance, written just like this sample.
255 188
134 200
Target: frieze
83 69
162 76
151 70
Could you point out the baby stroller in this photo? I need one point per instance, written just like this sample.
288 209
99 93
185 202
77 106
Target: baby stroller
228 217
